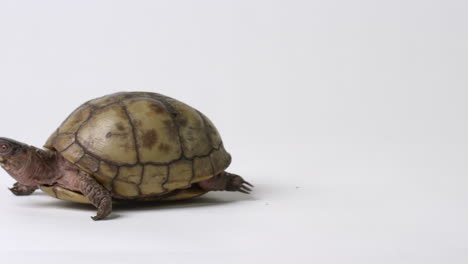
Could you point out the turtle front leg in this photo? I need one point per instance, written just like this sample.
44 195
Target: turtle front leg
99 196
19 189
226 181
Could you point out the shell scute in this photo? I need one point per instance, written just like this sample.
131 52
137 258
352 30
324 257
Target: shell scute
109 135
130 174
75 120
153 179
156 133
180 174
125 189
202 168
192 130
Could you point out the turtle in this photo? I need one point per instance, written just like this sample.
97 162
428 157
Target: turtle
126 146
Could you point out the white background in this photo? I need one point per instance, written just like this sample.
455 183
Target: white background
350 117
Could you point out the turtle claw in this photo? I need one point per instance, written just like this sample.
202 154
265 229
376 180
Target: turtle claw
240 185
243 187
100 215
104 209
246 182
97 218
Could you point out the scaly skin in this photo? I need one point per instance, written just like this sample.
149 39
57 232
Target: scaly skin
99 196
32 167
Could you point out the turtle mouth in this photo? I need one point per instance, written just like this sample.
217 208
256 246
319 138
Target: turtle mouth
4 163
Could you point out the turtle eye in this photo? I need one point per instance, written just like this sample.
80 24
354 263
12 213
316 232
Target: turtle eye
4 148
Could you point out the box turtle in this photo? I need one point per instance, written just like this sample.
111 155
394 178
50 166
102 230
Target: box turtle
136 146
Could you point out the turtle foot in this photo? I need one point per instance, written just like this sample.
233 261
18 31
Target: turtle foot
238 184
19 189
226 181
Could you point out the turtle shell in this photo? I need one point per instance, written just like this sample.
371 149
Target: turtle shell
141 145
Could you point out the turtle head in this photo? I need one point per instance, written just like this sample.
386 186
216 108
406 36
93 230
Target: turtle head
12 153
27 164
9 148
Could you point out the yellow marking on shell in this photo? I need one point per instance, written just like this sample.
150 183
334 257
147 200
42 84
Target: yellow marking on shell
107 170
192 130
61 142
153 179
180 173
108 135
48 190
64 194
202 168
125 189
89 162
156 133
75 120
73 153
220 160
130 174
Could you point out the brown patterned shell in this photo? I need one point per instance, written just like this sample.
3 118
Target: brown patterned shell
141 144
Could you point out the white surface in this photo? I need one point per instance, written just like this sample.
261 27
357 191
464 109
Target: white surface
350 117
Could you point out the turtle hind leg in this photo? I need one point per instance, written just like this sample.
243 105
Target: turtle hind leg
99 196
19 189
226 181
